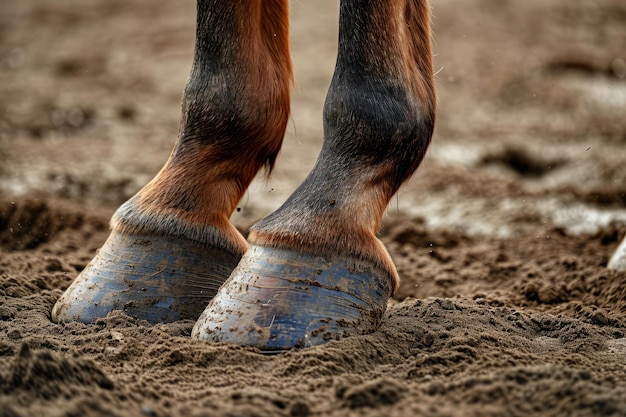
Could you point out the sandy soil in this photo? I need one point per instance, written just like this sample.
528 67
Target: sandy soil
501 239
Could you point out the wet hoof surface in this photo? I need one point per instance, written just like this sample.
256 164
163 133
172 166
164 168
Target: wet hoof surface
154 278
278 299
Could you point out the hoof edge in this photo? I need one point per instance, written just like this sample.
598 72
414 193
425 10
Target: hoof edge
278 299
155 278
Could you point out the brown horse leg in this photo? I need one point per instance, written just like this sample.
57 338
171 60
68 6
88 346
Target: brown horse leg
172 244
315 270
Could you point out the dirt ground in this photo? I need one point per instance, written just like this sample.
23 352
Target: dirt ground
501 239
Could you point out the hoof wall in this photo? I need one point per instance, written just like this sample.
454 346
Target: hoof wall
278 299
618 260
154 278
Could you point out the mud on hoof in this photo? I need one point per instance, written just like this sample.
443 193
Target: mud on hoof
154 278
278 299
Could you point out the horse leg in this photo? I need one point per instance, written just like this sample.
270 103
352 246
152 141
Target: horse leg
315 270
172 244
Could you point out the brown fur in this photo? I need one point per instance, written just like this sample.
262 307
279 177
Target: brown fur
398 51
339 234
419 65
209 171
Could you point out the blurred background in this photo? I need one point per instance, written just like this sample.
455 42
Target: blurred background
531 126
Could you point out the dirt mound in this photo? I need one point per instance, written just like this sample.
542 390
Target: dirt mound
440 351
43 243
553 271
48 375
29 223
518 338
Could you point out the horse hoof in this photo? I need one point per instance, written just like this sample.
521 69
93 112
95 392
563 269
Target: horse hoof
277 299
618 260
155 278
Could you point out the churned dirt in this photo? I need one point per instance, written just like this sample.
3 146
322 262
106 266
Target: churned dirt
501 239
